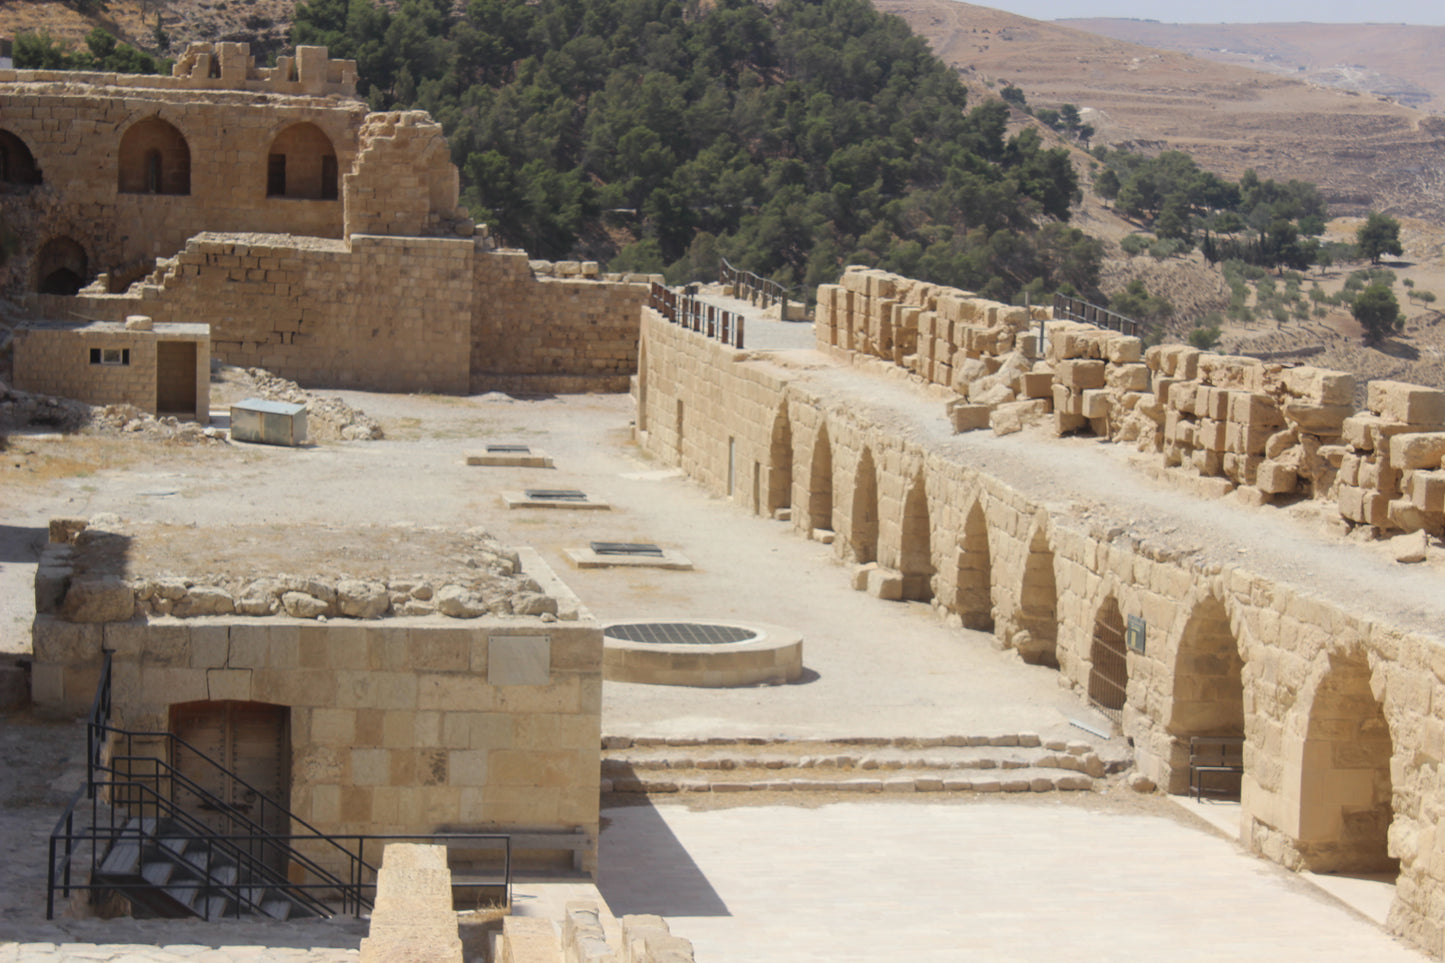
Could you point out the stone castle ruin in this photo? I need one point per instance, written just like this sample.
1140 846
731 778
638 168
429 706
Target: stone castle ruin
324 243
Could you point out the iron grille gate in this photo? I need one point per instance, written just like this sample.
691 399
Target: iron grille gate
1109 676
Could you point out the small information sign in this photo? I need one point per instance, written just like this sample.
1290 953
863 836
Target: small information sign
1134 635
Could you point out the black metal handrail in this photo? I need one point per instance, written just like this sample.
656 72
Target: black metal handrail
1077 309
748 286
131 783
694 314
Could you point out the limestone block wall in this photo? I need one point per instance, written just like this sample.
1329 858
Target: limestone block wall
567 333
404 182
1265 431
56 361
211 157
405 726
1342 714
379 313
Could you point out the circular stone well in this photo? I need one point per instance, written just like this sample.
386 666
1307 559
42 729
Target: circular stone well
707 654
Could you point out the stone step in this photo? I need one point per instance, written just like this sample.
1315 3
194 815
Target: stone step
1028 779
844 758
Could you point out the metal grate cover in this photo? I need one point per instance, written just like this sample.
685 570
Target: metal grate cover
508 450
556 494
626 548
679 633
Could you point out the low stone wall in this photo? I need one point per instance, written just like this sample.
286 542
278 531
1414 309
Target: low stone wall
411 725
412 917
1341 713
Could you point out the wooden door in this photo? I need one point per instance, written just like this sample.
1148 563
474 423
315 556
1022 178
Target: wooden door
248 739
176 378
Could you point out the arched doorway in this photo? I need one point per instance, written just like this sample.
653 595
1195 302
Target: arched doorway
973 592
863 520
1108 662
915 553
780 462
61 267
302 164
820 483
17 164
1039 604
1346 796
154 159
1208 694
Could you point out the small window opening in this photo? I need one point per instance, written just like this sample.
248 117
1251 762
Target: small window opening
110 356
153 172
328 178
276 175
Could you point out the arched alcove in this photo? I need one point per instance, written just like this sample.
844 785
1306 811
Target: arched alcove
915 552
973 594
154 159
61 267
863 520
1108 661
820 483
1346 796
1208 694
1039 604
780 462
17 163
301 163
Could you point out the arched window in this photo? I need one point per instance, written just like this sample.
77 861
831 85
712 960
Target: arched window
154 159
17 164
61 267
302 164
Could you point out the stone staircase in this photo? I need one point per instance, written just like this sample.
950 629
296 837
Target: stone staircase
1015 762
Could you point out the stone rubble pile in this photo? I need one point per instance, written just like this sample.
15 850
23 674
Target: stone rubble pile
1266 432
326 417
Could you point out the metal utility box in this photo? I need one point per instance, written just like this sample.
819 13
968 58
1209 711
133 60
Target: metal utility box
268 422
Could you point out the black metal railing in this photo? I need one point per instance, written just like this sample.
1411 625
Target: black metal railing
132 797
748 286
697 315
1075 309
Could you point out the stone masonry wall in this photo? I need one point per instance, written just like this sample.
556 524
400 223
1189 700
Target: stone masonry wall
1343 715
379 313
56 360
566 333
1263 431
404 726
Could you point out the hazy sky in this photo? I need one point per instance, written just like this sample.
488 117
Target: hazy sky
1430 12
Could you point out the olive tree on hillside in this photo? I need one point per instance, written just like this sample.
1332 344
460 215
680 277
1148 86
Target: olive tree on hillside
1377 311
1378 236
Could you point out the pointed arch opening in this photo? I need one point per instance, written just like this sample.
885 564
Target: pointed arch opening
1108 662
780 462
1346 796
61 267
154 159
17 164
820 483
301 163
863 520
973 586
1208 696
1039 605
915 555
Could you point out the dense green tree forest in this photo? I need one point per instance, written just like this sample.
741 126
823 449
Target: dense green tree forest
40 51
792 137
1264 223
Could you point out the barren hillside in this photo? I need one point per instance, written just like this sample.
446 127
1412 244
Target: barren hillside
1399 61
1364 151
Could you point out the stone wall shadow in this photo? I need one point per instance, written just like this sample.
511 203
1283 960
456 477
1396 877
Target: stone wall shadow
646 869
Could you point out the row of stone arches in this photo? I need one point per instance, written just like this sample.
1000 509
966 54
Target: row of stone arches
154 157
1342 760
